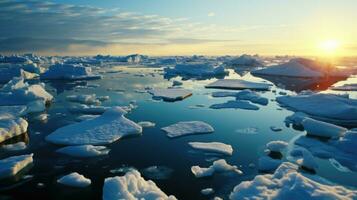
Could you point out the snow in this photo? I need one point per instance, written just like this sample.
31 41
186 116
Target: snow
195 70
235 104
217 166
132 186
170 94
12 127
84 151
146 124
238 84
84 98
214 147
108 128
207 191
276 146
70 72
14 147
243 95
288 183
187 128
74 180
268 164
12 165
322 129
346 87
343 111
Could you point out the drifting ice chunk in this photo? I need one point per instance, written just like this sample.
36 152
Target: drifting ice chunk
107 128
277 146
84 99
132 187
91 109
235 104
214 147
146 124
322 129
12 165
187 128
9 71
243 95
15 147
207 191
288 183
217 166
74 180
196 70
238 84
12 127
170 94
70 72
84 151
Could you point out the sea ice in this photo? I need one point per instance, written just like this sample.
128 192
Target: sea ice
84 151
14 147
12 165
12 127
146 124
70 72
276 146
243 95
238 84
322 129
84 98
217 166
195 70
170 94
235 104
187 128
207 191
74 180
214 147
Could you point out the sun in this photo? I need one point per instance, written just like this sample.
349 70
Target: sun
329 46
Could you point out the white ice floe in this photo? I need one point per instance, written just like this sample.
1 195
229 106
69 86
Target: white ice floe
195 70
74 180
288 183
84 151
88 109
276 146
170 94
14 147
207 191
108 128
84 98
346 87
214 147
132 186
237 104
343 111
217 166
12 127
268 164
70 72
187 128
322 129
146 124
243 95
238 84
12 165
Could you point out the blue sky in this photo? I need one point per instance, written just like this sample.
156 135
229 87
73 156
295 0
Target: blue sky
159 27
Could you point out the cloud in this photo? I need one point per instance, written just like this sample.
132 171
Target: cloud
211 14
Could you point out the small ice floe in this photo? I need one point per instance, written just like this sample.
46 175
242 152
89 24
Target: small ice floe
276 129
276 146
170 94
88 109
176 83
75 180
42 117
146 124
14 147
243 95
288 183
12 165
213 147
238 84
187 128
268 164
319 106
157 172
236 104
84 98
132 186
195 69
248 130
84 151
69 72
245 61
10 128
346 87
322 129
86 117
109 127
207 191
217 166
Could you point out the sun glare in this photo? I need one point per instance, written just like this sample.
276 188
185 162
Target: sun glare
329 46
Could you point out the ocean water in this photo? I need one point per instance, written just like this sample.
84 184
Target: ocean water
246 130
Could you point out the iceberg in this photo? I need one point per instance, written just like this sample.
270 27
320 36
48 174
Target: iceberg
89 110
105 129
245 61
238 84
187 128
69 72
12 165
218 166
74 180
132 186
170 94
84 151
213 147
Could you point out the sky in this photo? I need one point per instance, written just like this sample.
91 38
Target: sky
179 27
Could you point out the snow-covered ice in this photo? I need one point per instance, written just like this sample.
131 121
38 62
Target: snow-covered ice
207 191
12 165
276 146
214 147
322 129
218 166
88 109
84 151
70 72
83 98
243 95
187 128
74 180
235 104
109 127
14 147
12 127
238 84
170 94
307 161
132 186
146 124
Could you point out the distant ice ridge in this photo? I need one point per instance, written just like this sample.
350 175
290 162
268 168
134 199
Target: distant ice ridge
187 128
132 186
70 72
288 183
107 128
198 70
346 87
12 165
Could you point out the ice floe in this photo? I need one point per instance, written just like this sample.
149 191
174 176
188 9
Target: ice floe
69 72
237 104
207 191
146 124
288 183
105 129
12 127
74 180
12 165
200 70
276 146
88 109
14 147
238 84
213 147
170 94
84 151
27 71
84 98
322 129
217 166
132 186
243 95
245 60
187 128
